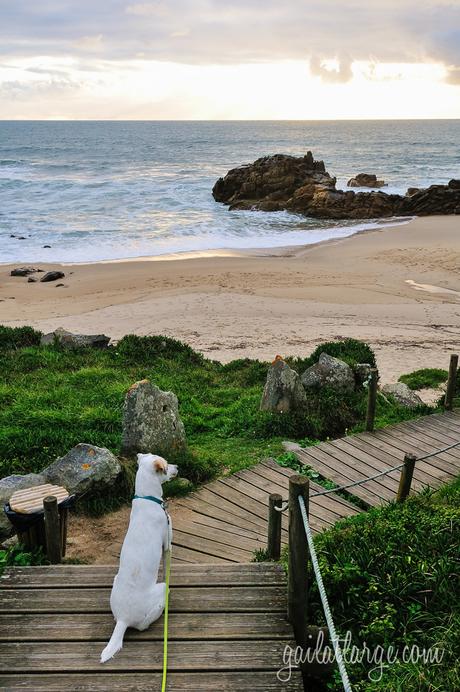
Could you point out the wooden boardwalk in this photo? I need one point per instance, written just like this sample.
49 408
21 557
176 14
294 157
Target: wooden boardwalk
227 631
359 456
226 520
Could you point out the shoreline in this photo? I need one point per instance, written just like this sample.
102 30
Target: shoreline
234 305
263 251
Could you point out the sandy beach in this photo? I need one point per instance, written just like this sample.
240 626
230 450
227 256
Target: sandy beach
398 288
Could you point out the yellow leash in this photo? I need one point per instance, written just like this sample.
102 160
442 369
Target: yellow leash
165 630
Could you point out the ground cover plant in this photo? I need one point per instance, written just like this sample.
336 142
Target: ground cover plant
52 398
392 578
425 378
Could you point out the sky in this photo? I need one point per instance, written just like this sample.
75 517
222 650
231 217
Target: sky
238 59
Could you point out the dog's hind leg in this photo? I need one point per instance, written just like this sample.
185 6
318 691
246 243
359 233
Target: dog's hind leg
158 605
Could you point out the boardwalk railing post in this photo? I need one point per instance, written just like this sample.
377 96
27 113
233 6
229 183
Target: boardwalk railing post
52 530
298 560
372 399
405 480
274 527
451 383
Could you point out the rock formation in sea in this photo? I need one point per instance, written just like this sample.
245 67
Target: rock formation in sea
365 180
302 185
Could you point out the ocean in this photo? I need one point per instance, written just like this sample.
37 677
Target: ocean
97 190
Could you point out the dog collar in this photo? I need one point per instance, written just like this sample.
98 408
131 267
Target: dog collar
151 498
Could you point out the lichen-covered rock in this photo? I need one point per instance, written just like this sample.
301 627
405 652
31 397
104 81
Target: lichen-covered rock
329 372
8 486
69 340
151 421
403 395
85 468
283 389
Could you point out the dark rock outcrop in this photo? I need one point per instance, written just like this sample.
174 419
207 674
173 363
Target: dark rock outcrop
52 276
302 185
365 180
24 271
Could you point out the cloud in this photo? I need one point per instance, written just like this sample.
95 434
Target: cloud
238 31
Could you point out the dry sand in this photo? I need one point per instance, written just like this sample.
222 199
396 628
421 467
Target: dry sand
397 288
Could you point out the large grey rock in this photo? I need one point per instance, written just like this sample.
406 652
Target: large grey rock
329 372
52 276
283 389
69 340
85 468
8 486
151 421
403 395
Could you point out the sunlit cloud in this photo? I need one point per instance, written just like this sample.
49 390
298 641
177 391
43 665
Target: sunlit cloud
206 59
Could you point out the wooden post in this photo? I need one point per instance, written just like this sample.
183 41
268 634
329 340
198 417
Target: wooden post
298 560
406 477
372 400
52 529
451 383
274 527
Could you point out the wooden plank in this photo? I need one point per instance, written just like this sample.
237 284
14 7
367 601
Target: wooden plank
361 468
228 524
325 510
194 556
223 681
338 503
99 627
87 576
183 599
373 464
327 467
62 657
321 514
217 534
219 496
405 443
207 546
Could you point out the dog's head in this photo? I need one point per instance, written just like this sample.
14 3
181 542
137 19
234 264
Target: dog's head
158 466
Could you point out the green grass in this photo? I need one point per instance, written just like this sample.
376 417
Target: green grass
391 576
425 378
51 399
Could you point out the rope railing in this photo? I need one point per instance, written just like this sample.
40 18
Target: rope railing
324 600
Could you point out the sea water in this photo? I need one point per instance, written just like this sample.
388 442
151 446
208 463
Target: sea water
97 190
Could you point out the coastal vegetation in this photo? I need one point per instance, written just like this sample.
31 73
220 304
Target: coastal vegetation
425 378
52 398
391 575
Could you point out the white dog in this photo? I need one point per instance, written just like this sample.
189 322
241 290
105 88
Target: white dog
137 600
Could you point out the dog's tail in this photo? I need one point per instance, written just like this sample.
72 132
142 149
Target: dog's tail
115 643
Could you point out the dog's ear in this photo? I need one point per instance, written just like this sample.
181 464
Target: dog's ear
160 464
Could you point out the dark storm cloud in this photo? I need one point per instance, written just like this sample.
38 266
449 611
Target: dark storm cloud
210 31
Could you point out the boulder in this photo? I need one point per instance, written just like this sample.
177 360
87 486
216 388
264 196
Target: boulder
365 180
69 340
83 469
24 271
283 389
52 276
402 394
151 421
413 191
302 185
8 486
329 372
